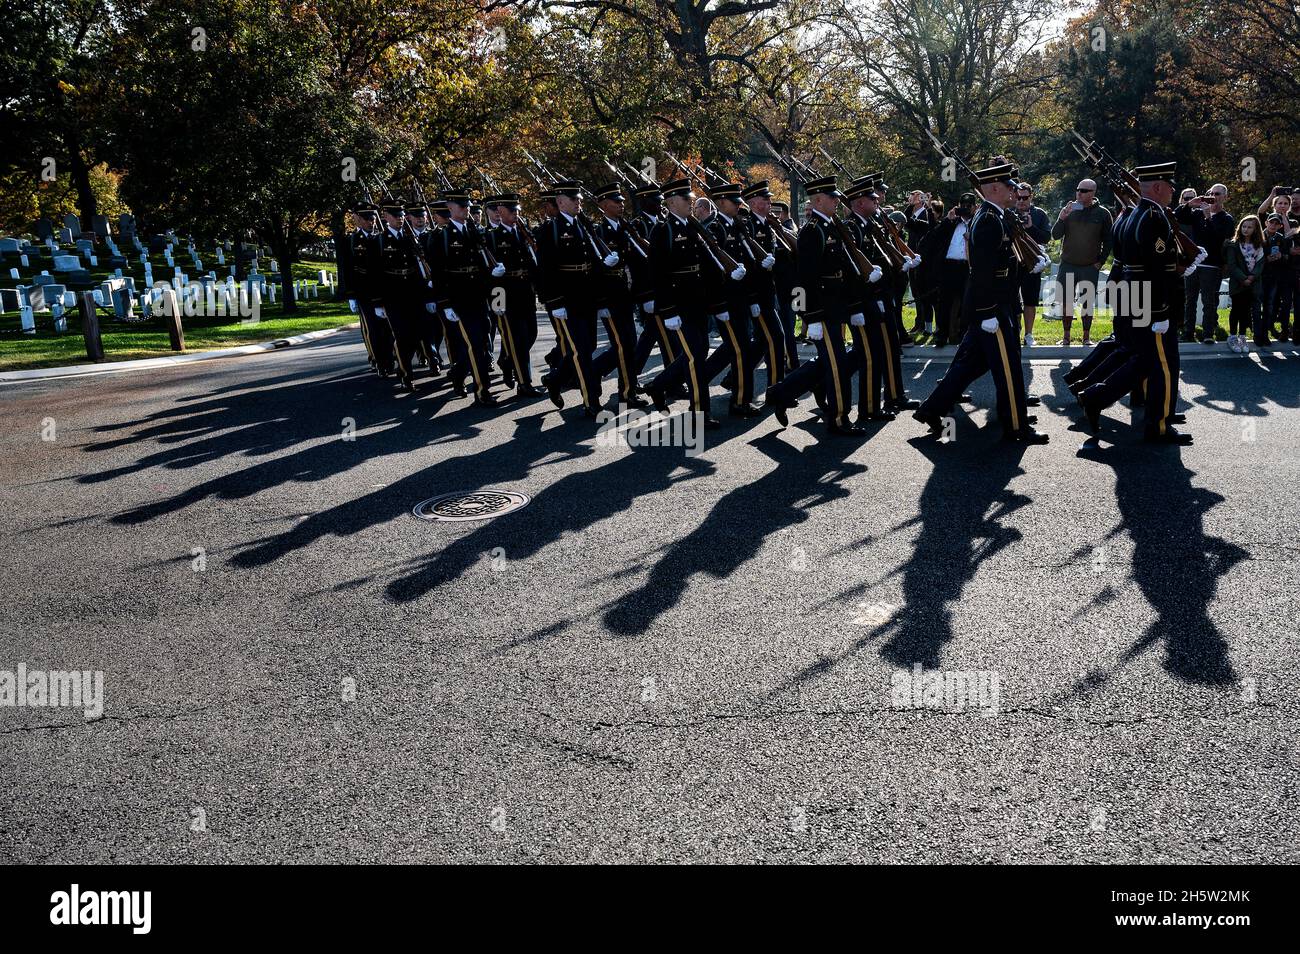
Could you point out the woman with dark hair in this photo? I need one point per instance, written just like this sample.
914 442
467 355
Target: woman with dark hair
1243 260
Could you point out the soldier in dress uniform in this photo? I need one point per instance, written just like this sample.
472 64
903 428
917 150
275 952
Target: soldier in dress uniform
558 355
1145 243
360 269
460 278
649 201
734 296
871 341
896 277
769 334
990 344
619 304
430 328
402 290
511 296
832 303
681 260
785 275
569 258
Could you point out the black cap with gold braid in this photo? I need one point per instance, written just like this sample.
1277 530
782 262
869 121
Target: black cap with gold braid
1001 172
1157 172
756 190
824 185
677 187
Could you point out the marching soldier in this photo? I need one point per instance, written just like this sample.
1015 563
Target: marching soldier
558 355
430 328
359 265
769 334
871 338
785 276
460 274
896 399
680 257
1145 243
403 288
649 200
618 303
513 247
734 296
990 344
569 258
831 301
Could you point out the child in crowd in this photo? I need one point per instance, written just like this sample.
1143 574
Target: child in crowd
1243 261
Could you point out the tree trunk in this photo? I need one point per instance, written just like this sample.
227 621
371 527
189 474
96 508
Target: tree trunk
338 231
80 173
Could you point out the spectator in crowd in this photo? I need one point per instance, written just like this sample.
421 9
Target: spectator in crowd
1278 283
944 253
1243 260
1036 225
1084 228
704 209
920 218
1282 202
1210 226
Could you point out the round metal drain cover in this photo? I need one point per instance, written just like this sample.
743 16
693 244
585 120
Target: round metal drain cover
475 505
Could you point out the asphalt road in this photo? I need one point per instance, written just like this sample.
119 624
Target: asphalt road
662 657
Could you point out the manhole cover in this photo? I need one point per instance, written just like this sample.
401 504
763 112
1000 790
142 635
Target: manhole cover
478 505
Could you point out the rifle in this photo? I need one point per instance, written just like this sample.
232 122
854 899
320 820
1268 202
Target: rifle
633 239
1189 253
1022 243
489 259
409 234
755 252
719 254
895 246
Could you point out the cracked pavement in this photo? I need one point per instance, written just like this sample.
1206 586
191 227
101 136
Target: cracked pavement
661 657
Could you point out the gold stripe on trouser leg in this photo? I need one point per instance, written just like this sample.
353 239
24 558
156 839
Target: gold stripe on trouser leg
365 336
1011 389
866 384
889 365
771 351
559 338
508 337
739 396
696 395
840 413
577 366
624 379
1164 370
473 361
666 342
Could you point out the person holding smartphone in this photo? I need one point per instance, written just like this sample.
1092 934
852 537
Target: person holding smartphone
1084 228
1210 226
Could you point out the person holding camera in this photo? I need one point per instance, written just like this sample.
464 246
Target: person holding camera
1284 202
1084 228
1035 223
1211 227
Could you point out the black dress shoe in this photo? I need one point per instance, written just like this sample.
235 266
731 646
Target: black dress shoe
877 416
781 411
939 343
1170 436
1031 418
1176 419
458 388
931 420
906 404
658 399
1026 435
744 410
527 390
1033 400
845 430
1093 415
407 385
966 398
636 401
590 413
679 393
553 392
711 423
820 398
488 401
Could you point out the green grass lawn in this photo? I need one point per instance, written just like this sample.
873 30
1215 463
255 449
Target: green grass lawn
149 339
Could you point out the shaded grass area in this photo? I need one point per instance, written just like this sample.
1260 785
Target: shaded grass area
149 339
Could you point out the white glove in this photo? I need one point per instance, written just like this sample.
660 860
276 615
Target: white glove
431 307
755 311
611 259
451 315
858 319
352 303
916 261
1160 327
989 324
673 323
602 312
723 316
908 264
648 307
1041 264
498 270
815 331
881 306
1200 254
380 313
875 274
560 313
768 261
739 273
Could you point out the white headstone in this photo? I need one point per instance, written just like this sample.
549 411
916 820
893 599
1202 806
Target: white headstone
94 261
66 263
23 260
13 273
221 256
28 318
